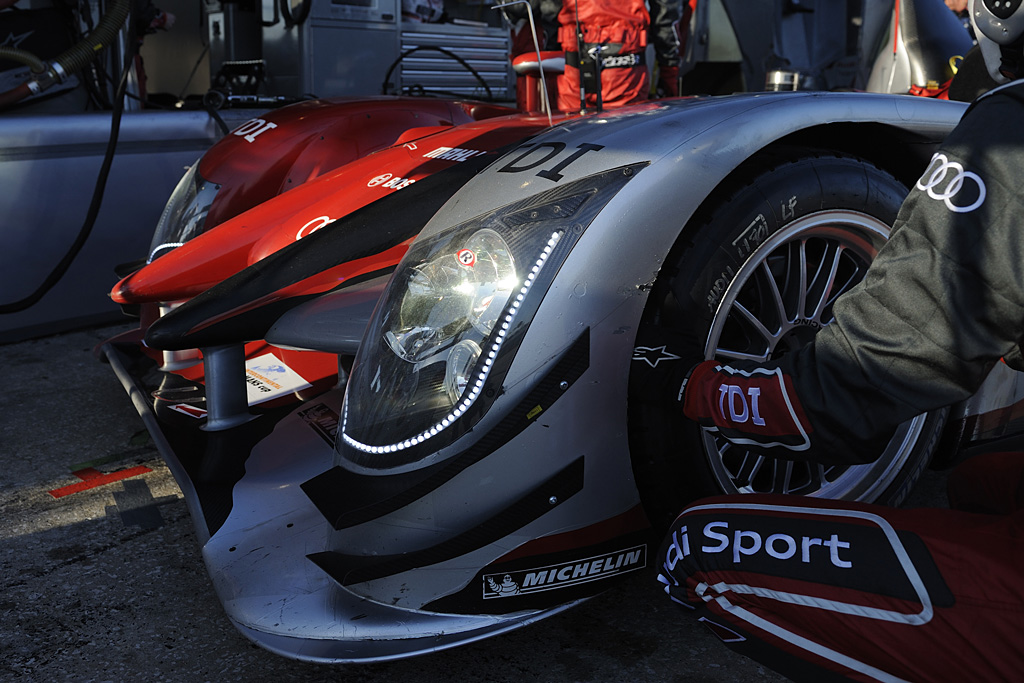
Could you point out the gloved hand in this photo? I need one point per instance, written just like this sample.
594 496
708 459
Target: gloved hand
749 404
668 81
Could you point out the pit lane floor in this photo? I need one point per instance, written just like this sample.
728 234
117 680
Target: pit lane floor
107 583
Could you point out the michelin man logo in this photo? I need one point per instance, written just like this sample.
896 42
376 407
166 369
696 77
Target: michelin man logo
505 588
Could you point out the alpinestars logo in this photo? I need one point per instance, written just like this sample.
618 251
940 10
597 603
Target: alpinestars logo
15 40
553 577
652 355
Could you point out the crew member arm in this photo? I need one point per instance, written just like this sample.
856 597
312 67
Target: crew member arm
940 305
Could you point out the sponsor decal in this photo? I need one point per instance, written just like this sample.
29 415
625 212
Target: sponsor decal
186 409
535 156
620 61
752 237
805 322
453 153
266 378
754 407
845 554
252 128
391 181
740 411
652 355
466 257
15 41
719 287
944 180
562 575
742 543
312 226
323 420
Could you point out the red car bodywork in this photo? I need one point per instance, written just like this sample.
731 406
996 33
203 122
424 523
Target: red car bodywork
282 182
269 155
248 237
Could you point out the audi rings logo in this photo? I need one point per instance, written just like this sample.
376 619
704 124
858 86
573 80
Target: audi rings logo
944 179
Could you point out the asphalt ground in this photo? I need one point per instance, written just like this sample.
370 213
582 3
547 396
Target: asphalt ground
107 583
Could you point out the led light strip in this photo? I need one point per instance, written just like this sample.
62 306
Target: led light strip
165 245
478 385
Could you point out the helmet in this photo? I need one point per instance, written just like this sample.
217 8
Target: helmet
999 28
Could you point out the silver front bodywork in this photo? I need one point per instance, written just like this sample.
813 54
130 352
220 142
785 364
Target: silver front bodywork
259 556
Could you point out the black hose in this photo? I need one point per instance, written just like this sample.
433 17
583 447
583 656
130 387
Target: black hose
449 53
97 195
212 101
300 16
72 60
36 65
77 56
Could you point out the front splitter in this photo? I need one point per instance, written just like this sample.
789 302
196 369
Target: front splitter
257 556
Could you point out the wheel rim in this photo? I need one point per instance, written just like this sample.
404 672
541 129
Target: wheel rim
780 297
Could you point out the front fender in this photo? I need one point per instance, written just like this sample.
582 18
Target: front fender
689 148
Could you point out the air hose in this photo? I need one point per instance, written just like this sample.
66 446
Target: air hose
101 181
70 61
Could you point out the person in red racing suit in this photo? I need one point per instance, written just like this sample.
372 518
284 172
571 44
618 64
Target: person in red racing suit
825 590
618 30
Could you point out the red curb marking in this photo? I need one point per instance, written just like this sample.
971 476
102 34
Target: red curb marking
91 478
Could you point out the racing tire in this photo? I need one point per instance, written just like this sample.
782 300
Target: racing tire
782 214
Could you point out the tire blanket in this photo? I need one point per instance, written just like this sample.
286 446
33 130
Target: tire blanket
823 590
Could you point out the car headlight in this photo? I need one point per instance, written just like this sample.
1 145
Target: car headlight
439 343
452 293
184 215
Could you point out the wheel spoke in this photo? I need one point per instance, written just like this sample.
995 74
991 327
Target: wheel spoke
783 476
855 276
816 476
749 468
826 290
774 293
769 337
802 289
819 475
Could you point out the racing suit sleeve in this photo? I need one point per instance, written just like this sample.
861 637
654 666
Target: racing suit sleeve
940 305
665 18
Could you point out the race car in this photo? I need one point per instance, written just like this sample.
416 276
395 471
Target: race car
413 404
209 231
507 440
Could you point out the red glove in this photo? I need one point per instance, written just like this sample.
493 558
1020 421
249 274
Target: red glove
756 407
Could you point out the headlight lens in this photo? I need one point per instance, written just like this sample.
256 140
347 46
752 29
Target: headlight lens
438 345
453 294
184 215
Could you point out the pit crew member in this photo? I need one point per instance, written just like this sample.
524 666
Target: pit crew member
825 590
